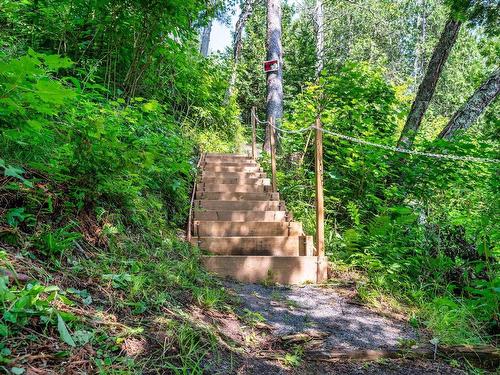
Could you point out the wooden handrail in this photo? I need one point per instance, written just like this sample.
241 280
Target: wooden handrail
254 146
193 194
320 210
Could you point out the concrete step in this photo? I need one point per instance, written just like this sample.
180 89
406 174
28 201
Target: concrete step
221 175
239 205
230 188
249 228
223 168
242 216
263 245
232 196
283 270
237 181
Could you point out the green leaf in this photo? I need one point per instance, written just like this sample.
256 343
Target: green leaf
82 337
52 92
16 172
17 370
56 62
35 124
15 216
9 317
51 288
63 331
4 330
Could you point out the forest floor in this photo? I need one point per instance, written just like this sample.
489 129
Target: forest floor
275 327
260 329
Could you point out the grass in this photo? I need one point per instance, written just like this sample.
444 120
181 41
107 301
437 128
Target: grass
112 298
252 318
451 319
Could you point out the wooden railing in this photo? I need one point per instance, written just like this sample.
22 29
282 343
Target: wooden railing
254 134
189 226
320 209
318 158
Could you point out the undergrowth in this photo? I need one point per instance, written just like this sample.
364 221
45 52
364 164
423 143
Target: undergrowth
94 274
423 232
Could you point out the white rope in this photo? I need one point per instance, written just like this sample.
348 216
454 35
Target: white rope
392 148
411 152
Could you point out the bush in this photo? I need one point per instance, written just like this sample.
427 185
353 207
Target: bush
423 230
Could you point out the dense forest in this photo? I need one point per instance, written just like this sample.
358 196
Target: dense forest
105 107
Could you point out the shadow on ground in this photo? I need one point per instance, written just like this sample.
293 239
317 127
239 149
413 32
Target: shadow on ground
346 326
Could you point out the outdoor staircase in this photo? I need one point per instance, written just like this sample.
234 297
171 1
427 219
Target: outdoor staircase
245 228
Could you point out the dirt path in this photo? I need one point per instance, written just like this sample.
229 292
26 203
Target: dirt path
345 325
336 322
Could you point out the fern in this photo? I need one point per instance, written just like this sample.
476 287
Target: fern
353 211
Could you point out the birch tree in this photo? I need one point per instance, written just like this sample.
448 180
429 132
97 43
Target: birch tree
205 39
320 36
428 85
468 114
246 12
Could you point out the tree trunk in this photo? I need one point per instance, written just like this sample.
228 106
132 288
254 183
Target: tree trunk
274 79
474 106
421 25
428 86
205 39
246 12
320 36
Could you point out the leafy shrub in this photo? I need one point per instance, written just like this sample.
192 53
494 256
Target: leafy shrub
423 230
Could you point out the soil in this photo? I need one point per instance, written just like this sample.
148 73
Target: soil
345 325
331 319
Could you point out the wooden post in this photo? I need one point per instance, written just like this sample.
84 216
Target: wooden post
320 210
254 119
193 194
273 153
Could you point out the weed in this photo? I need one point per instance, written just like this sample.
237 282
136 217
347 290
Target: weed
252 318
209 297
293 359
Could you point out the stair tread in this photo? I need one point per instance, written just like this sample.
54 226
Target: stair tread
258 268
237 196
243 215
231 188
245 226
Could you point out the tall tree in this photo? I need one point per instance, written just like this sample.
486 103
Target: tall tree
474 106
421 24
205 39
429 82
246 12
320 35
274 102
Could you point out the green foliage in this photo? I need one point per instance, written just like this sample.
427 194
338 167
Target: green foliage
358 102
55 243
294 359
192 350
103 109
19 307
252 317
422 230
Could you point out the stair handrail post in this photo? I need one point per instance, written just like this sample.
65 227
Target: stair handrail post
271 124
254 120
193 195
320 209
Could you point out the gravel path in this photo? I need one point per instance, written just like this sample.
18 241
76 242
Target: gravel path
346 326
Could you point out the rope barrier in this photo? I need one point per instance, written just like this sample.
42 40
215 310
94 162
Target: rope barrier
387 147
411 152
